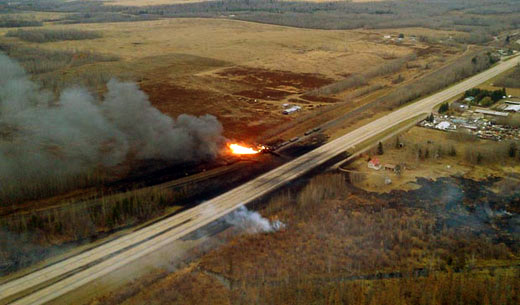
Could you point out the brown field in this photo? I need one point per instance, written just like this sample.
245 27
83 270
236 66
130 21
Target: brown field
346 246
332 53
239 71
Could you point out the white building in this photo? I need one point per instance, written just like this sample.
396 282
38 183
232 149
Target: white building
491 112
443 125
292 109
514 108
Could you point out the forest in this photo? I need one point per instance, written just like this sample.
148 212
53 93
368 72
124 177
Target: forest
481 18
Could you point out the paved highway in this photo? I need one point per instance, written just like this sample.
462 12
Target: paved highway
46 284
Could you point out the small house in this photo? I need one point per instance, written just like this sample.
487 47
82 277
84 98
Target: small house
374 164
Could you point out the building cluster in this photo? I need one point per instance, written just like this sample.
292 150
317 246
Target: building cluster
476 124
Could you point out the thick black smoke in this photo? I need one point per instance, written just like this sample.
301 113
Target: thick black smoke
42 137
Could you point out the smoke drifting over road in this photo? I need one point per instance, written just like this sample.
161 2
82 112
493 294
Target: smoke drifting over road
252 222
42 137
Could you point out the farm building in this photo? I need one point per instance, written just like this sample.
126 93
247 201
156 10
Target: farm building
513 108
491 112
443 125
292 109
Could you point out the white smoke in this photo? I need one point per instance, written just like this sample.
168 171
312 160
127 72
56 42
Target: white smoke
252 222
42 137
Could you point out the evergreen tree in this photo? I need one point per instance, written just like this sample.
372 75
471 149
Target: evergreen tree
453 152
444 107
512 150
380 148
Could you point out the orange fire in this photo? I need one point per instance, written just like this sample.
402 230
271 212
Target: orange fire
242 150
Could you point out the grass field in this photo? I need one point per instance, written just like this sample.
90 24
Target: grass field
240 71
240 43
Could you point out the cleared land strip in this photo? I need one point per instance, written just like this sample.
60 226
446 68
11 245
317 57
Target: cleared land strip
149 239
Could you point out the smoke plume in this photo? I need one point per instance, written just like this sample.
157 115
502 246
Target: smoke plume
252 222
43 137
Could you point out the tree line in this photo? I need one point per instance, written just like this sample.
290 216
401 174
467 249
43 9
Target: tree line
48 35
461 15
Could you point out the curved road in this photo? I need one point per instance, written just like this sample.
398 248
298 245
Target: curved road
58 279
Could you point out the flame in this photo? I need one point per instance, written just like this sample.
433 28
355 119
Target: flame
242 150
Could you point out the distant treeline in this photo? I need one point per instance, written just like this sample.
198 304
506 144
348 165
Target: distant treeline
39 60
43 64
41 35
485 17
10 22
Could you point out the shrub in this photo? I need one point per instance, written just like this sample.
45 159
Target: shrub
9 22
486 102
102 17
512 150
380 148
361 79
38 60
464 66
444 107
